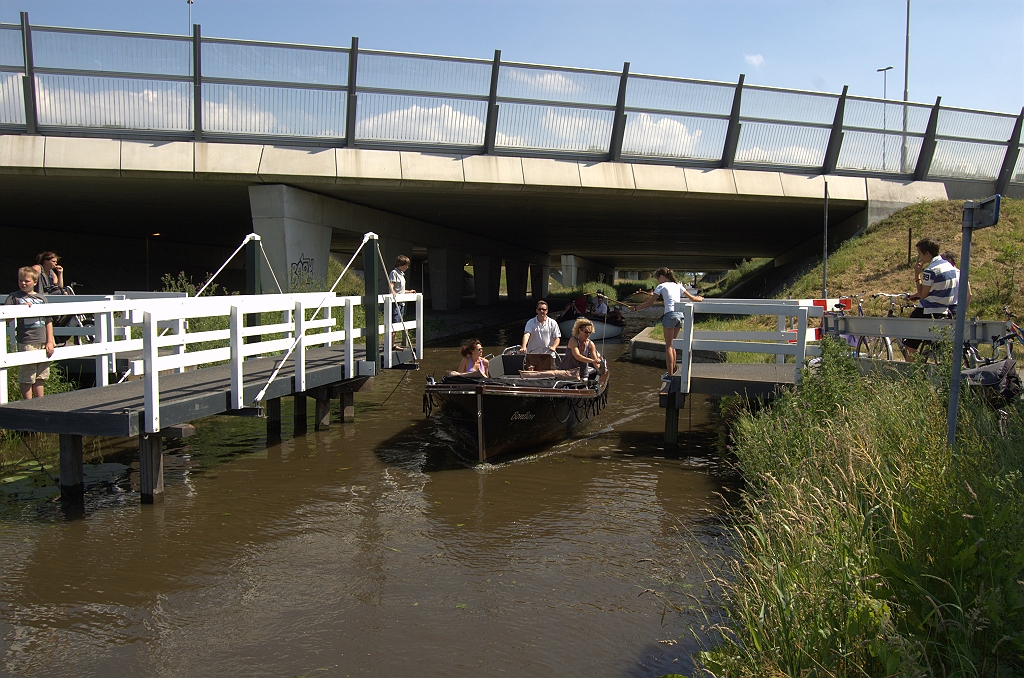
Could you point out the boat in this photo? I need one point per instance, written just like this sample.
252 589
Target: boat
512 410
604 327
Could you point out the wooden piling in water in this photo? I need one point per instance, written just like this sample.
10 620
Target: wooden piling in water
322 420
299 414
151 467
348 407
72 487
274 419
672 418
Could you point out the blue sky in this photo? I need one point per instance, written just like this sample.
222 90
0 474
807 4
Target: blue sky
970 53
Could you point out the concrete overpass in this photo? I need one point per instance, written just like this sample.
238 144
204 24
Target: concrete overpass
144 154
97 201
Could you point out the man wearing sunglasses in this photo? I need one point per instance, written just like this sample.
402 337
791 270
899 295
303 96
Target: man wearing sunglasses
541 332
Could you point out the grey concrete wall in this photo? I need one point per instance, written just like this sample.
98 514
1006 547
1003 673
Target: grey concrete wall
577 270
279 164
486 279
516 274
294 236
446 267
289 218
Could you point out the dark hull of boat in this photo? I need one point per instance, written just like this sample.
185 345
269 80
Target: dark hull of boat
500 422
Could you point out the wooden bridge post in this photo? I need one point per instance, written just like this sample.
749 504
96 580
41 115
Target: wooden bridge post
322 420
348 407
72 487
671 418
151 468
274 419
299 414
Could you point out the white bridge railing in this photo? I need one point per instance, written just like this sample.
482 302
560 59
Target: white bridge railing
784 342
166 336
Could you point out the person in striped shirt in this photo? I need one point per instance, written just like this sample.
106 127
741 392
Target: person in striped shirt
936 286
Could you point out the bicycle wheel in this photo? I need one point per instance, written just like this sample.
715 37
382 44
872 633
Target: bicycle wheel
877 348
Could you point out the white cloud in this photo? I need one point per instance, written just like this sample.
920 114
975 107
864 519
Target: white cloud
440 123
660 136
755 60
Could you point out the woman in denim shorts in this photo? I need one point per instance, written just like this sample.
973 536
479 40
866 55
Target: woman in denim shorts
672 292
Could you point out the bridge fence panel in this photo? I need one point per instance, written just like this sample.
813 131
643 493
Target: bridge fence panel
101 82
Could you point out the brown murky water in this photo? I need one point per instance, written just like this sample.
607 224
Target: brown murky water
372 549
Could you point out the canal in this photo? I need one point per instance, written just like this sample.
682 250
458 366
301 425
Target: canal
375 549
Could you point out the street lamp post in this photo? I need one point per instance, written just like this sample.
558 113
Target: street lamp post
885 106
906 94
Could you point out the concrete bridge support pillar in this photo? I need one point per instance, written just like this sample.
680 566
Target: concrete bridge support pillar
516 273
446 268
486 279
291 225
577 270
539 275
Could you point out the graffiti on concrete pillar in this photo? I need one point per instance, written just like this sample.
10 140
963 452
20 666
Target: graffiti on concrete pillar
303 267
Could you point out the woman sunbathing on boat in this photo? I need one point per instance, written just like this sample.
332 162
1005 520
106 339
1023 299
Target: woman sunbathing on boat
581 353
473 362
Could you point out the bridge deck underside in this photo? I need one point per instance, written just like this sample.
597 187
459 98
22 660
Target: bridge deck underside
117 410
620 230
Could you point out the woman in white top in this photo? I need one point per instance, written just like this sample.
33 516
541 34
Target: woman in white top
672 292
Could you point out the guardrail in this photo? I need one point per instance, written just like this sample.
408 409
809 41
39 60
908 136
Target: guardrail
786 343
57 80
166 335
975 331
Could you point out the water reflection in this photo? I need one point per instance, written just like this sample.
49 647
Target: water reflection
373 548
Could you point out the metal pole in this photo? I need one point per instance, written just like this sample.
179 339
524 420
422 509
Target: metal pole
824 250
29 82
197 82
370 264
958 333
885 108
906 94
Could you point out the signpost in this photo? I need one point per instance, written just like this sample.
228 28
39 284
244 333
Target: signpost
977 215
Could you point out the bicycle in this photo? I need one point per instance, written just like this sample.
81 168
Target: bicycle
881 348
973 357
75 320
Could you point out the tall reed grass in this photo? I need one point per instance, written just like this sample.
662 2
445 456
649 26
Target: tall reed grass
866 547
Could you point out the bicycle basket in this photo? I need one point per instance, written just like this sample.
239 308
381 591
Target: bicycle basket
999 381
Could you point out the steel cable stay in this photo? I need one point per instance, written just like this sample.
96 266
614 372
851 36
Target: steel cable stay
291 349
199 292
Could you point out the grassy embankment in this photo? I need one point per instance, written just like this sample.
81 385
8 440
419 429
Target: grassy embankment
877 262
865 547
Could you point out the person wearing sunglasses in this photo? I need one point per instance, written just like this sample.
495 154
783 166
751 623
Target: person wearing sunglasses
541 333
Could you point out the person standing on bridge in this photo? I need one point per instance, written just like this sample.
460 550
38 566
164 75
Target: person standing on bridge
672 321
397 281
32 334
51 274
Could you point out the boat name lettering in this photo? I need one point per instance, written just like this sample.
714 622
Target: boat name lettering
526 416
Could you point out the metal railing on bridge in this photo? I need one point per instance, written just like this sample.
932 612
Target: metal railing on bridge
78 81
166 336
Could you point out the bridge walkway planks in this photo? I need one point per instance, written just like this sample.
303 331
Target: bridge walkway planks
118 409
754 380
